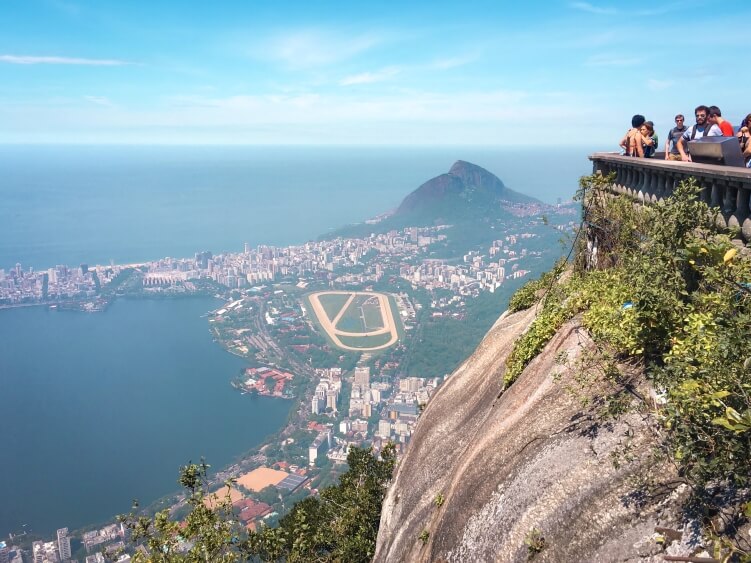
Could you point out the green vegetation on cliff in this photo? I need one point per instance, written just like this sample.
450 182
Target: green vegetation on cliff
341 524
665 292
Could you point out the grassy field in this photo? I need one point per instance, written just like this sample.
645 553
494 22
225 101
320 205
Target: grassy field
333 303
372 316
352 320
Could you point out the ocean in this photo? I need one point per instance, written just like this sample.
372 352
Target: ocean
98 409
79 204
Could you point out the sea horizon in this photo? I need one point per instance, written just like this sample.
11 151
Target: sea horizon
97 204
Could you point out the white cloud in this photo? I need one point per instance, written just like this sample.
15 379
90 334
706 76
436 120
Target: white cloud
370 77
314 47
51 60
452 62
99 101
592 9
612 60
410 117
391 71
659 85
610 11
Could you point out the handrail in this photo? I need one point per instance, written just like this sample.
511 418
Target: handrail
651 180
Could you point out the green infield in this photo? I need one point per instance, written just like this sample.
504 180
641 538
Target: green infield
362 315
371 316
333 302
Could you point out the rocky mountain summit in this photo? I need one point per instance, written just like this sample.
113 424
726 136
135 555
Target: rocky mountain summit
466 190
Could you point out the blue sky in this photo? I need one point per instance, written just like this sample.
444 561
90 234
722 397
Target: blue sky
406 73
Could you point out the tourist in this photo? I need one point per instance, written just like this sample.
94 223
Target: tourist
744 132
648 139
701 129
632 141
655 140
671 145
715 117
744 138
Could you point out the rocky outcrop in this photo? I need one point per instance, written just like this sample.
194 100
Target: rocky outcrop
487 471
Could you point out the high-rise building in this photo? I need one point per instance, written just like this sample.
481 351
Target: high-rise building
4 552
331 398
316 405
362 377
63 544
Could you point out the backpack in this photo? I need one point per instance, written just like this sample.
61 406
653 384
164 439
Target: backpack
695 127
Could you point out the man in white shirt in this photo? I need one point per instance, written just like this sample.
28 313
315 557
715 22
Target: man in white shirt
701 129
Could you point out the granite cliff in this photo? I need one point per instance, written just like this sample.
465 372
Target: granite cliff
489 472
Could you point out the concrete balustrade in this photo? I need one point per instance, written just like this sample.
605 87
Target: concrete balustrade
652 179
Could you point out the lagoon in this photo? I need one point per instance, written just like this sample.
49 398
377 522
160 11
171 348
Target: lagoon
99 409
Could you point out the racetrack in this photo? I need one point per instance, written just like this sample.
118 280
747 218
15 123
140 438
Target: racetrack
329 325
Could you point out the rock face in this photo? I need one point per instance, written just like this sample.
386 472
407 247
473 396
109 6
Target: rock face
531 459
467 190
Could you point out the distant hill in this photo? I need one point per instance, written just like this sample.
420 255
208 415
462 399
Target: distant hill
466 193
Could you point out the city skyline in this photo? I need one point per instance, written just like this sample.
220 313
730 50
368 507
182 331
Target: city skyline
542 73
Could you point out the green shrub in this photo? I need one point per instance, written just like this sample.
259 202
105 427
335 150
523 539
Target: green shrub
527 295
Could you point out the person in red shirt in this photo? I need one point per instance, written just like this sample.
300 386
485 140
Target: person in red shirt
715 117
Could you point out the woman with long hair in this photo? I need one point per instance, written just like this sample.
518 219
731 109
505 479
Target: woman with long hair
744 138
648 141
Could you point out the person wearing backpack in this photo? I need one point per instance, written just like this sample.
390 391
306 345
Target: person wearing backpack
701 129
671 145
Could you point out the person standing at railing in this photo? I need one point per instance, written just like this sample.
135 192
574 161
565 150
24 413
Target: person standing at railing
701 129
715 117
744 138
632 140
671 145
648 139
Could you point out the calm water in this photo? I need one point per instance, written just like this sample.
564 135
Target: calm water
99 409
72 205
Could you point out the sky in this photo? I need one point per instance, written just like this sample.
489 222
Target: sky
496 73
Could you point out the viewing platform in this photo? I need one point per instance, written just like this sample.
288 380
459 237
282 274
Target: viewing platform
652 179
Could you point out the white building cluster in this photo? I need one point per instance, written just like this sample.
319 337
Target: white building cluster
475 273
61 282
327 391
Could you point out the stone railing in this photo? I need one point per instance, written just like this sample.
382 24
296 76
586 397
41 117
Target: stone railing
653 179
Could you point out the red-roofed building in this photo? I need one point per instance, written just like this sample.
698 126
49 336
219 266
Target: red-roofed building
248 510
